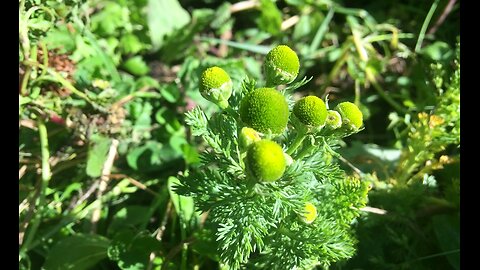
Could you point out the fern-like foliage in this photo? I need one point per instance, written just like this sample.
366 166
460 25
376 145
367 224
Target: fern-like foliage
260 225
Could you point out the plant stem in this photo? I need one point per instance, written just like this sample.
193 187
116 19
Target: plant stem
26 77
382 93
57 77
244 5
357 93
442 18
376 38
296 143
321 32
421 36
46 175
338 65
107 167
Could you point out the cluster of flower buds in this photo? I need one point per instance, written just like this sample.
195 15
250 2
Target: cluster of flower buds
265 111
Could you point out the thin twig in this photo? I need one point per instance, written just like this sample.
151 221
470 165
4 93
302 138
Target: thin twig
421 35
223 48
24 225
244 5
46 176
28 123
176 249
23 205
160 231
355 169
129 97
373 210
134 182
85 196
21 171
442 17
163 225
290 22
103 182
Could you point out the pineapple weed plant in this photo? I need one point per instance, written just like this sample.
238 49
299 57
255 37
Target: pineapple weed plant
274 195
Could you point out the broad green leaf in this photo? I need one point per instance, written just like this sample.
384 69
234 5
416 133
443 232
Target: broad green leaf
151 156
146 81
60 37
111 17
136 66
447 230
302 28
170 92
77 252
132 251
130 44
184 206
165 16
190 154
179 43
97 154
222 14
438 51
130 216
271 18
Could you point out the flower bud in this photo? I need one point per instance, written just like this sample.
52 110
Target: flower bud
352 117
247 137
265 160
334 120
216 86
281 65
311 111
310 213
265 109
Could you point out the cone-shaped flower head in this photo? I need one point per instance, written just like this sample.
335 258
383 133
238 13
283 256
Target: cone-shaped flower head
310 213
265 109
248 136
265 160
334 120
281 65
311 111
352 117
216 86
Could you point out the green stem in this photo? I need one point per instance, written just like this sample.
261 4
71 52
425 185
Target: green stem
57 77
321 32
26 77
45 57
357 93
46 175
338 65
421 36
376 38
383 94
296 143
183 236
344 160
305 152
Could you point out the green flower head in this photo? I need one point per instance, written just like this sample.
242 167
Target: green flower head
265 160
310 213
334 120
281 65
352 117
216 86
311 111
265 109
248 136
